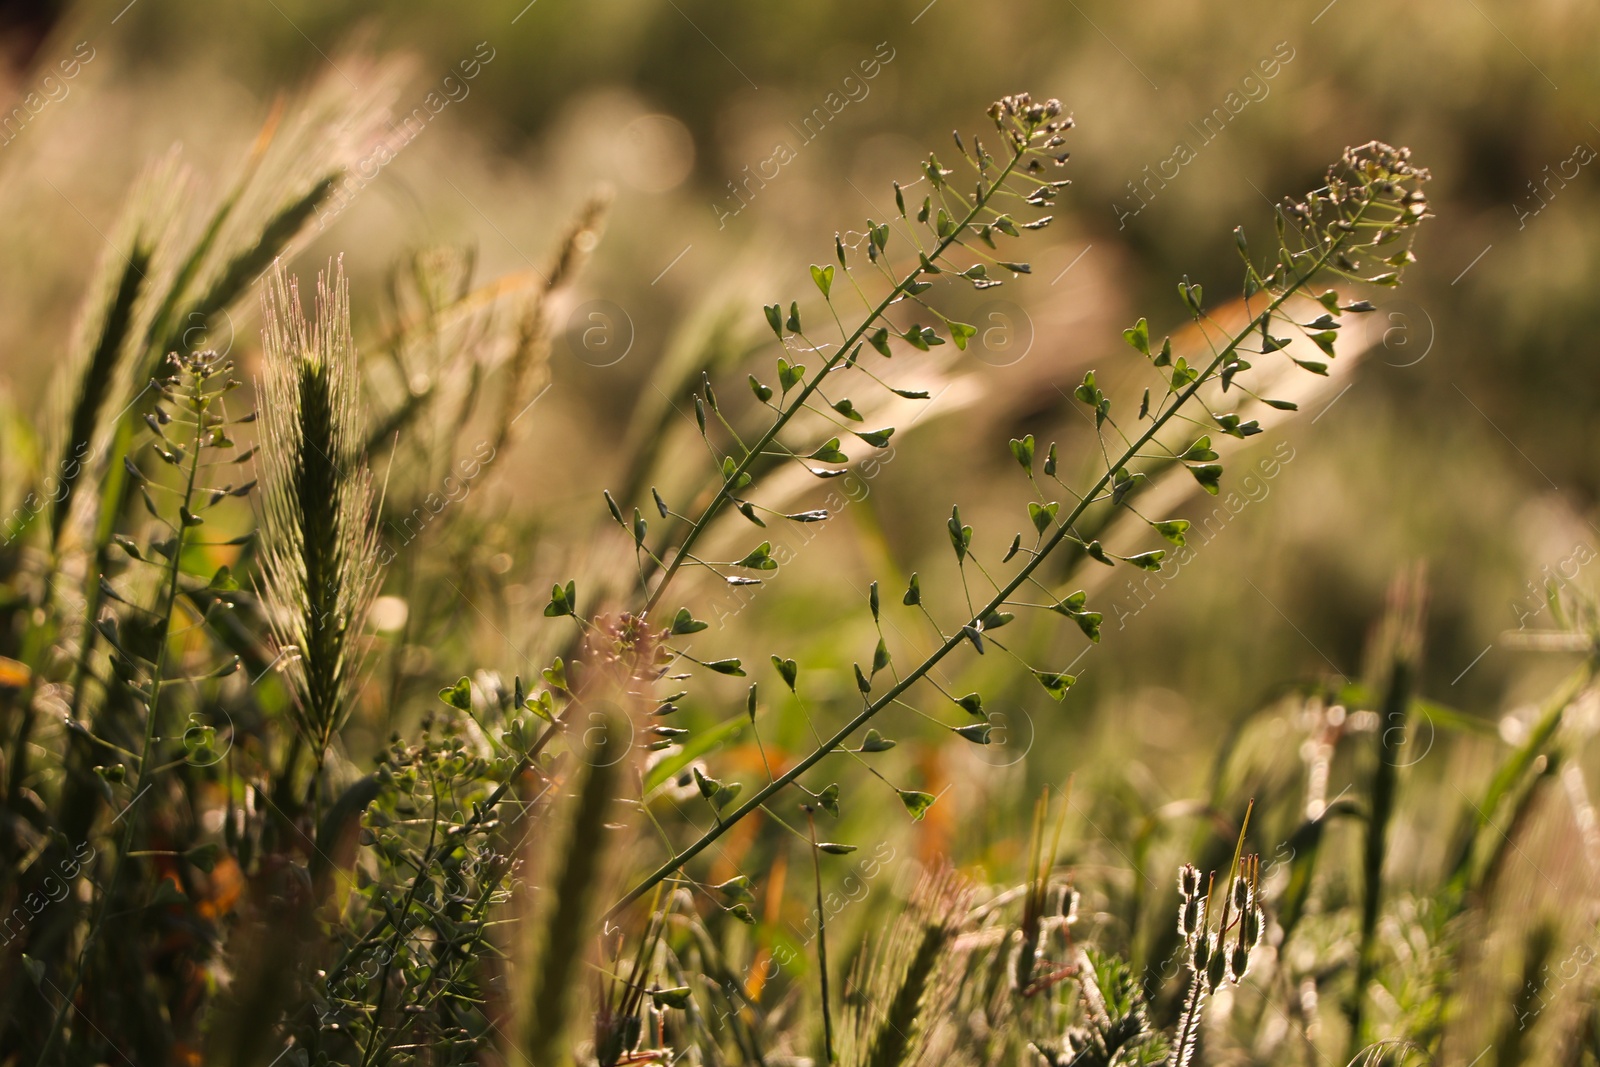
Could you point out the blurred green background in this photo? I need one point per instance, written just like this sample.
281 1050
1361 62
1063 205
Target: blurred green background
1465 439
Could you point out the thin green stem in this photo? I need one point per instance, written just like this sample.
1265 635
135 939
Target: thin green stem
822 937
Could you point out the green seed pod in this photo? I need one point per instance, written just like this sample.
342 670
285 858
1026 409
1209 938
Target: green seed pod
1189 917
1216 965
1250 927
1238 962
1200 954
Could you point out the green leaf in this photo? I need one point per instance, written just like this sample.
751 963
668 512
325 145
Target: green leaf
556 674
542 704
223 581
872 600
729 666
977 732
972 703
862 682
1089 623
726 795
774 318
1138 335
848 410
788 670
880 657
913 595
877 438
789 374
1146 561
960 536
1209 475
875 742
1016 546
1193 297
1055 684
833 848
707 785
458 696
1022 449
563 601
1050 461
793 322
823 276
677 997
974 636
742 913
750 702
961 333
828 800
1043 515
829 453
1173 530
1199 451
759 559
684 623
880 341
763 393
1097 553
916 803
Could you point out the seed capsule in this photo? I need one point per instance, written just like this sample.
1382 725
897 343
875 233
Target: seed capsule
1215 966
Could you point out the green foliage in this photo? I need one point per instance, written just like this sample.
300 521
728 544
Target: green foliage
481 879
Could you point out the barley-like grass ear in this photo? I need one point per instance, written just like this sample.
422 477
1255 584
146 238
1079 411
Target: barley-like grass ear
319 546
101 368
897 999
528 363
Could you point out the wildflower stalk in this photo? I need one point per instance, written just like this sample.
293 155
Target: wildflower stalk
199 402
1062 534
905 286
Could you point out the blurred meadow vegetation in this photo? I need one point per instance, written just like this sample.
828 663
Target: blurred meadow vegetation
559 224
